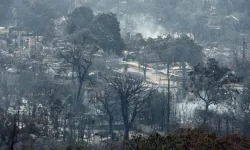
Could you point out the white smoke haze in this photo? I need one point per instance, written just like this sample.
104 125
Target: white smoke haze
150 29
144 24
135 23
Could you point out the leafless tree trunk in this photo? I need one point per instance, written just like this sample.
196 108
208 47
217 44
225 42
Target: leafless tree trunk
14 131
107 98
205 115
227 125
145 73
64 128
168 100
219 125
111 130
79 56
79 90
133 95
183 66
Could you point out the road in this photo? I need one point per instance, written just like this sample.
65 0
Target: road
154 76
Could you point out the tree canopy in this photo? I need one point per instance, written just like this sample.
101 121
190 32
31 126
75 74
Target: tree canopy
107 30
79 19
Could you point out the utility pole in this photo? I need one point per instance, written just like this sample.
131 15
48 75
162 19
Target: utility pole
244 61
244 50
167 126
